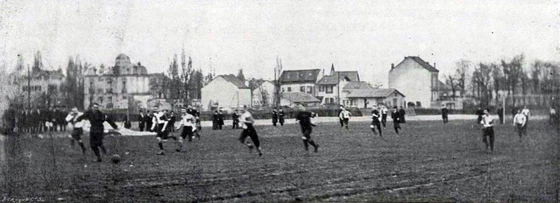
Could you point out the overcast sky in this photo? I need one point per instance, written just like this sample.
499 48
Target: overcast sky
228 35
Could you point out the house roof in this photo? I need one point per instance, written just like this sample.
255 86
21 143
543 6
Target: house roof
422 63
299 76
357 85
234 80
372 93
333 78
299 97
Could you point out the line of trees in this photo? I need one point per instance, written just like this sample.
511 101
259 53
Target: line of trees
487 81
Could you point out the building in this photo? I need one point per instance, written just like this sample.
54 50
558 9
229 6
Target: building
42 83
263 95
299 80
118 86
416 79
293 99
367 98
330 87
225 91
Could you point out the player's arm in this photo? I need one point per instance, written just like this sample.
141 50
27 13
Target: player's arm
110 121
154 123
86 116
249 120
69 117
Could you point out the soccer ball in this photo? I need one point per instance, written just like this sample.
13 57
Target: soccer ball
116 158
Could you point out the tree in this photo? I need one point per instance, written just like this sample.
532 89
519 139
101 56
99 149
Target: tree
497 79
186 75
463 67
240 75
513 71
481 79
451 81
174 84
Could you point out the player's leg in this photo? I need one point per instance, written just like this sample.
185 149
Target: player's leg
94 144
396 126
346 123
243 136
491 136
372 126
378 125
77 135
311 142
255 139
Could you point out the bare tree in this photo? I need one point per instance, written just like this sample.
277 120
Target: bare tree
463 67
513 71
497 79
451 81
481 77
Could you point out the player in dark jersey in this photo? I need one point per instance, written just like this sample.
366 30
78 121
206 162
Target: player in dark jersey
305 121
375 121
396 119
96 119
281 117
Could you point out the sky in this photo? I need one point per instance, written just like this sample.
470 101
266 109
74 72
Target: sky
226 36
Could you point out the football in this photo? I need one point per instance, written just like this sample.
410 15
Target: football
115 158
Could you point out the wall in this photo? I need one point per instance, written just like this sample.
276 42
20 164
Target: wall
296 87
225 93
412 80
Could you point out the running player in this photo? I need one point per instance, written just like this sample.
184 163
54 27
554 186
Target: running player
188 123
345 117
487 123
249 130
96 119
396 119
304 118
384 112
527 114
519 121
77 130
159 126
444 114
375 117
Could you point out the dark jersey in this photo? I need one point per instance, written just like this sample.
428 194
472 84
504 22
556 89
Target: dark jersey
375 116
304 119
96 119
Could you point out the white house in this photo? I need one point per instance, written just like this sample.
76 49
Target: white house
299 80
330 87
416 79
367 98
225 91
264 94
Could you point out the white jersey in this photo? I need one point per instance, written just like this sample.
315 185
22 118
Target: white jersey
72 119
345 114
487 121
525 112
384 110
519 119
188 120
244 117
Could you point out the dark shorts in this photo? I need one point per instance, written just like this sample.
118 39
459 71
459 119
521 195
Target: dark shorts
96 138
161 133
187 132
346 121
77 133
488 132
249 132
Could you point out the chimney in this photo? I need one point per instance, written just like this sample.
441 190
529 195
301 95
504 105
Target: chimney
434 65
392 66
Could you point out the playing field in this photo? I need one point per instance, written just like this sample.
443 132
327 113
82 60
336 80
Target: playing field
429 161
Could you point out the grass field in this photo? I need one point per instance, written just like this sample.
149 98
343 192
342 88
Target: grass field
429 161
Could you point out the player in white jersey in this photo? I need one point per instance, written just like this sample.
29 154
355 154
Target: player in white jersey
247 122
487 123
159 125
345 117
519 121
188 124
527 114
77 126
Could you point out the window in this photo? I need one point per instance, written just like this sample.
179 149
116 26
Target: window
109 98
309 89
302 89
110 90
289 89
124 97
99 91
283 90
124 87
321 88
329 89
